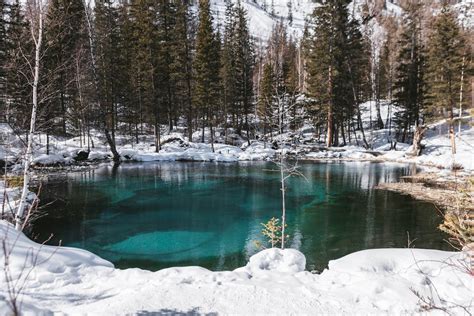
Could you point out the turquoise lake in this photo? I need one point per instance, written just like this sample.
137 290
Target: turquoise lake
163 214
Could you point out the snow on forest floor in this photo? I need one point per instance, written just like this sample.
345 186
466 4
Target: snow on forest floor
394 281
300 144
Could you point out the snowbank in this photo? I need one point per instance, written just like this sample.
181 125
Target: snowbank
274 259
257 151
74 281
436 148
10 198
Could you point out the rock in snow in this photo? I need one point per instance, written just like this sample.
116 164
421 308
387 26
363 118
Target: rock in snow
377 281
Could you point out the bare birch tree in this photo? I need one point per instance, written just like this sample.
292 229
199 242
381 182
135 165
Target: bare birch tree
35 14
285 170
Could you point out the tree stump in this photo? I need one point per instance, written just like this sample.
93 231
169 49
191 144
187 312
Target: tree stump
417 138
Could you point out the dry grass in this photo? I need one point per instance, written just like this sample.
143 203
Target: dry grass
13 181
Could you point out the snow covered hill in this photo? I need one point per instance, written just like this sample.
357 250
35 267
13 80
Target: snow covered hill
263 15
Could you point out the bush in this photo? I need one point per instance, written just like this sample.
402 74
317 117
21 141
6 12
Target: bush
459 225
273 231
13 181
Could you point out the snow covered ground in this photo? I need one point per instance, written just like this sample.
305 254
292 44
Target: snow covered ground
301 144
437 151
437 145
393 281
10 197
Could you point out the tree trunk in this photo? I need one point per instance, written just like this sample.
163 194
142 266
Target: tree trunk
361 125
330 120
356 100
379 115
355 134
452 138
343 134
89 140
38 40
349 131
190 126
111 142
417 138
247 127
283 203
212 136
136 134
461 95
336 135
63 104
451 132
188 83
47 143
157 135
170 110
203 128
140 105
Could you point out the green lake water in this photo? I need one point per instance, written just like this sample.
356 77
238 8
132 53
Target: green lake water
163 214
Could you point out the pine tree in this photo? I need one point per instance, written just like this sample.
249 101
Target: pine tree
206 67
265 99
244 63
3 59
357 61
63 34
181 69
386 70
446 59
409 81
126 99
277 48
143 72
290 78
228 69
106 41
163 58
383 73
447 62
336 66
85 104
320 55
17 90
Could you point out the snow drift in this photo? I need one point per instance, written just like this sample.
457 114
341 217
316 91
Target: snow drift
74 281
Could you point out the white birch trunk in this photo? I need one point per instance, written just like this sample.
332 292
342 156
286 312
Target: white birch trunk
37 34
461 96
282 179
283 204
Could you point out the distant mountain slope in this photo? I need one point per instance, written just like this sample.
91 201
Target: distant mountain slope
263 15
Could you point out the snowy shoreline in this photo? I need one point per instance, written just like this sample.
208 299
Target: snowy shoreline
75 281
71 153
